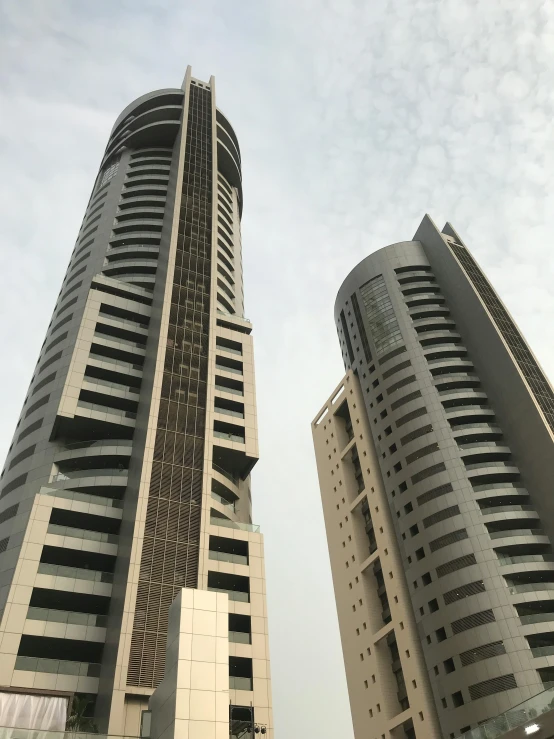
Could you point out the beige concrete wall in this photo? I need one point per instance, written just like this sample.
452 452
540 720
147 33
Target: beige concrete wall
372 688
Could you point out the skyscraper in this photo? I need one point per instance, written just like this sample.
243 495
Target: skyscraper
128 477
435 457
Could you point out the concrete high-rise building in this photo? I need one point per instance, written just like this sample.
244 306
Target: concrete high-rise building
435 457
128 477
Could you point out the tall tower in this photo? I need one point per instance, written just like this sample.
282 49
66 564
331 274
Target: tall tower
128 477
436 458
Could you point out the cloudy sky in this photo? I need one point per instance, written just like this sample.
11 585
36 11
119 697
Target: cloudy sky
355 117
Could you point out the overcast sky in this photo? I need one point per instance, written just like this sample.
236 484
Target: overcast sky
355 117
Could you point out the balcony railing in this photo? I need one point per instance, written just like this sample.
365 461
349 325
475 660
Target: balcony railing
76 474
240 637
536 618
515 532
521 558
240 683
76 618
542 651
223 389
222 501
97 442
58 666
82 497
227 412
237 595
105 409
226 474
530 587
237 559
75 533
215 521
228 437
77 573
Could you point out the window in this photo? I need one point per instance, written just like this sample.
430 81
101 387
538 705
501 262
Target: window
388 431
384 414
398 466
408 508
436 669
414 531
392 449
440 634
449 665
402 487
457 699
426 578
433 605
443 700
420 553
379 398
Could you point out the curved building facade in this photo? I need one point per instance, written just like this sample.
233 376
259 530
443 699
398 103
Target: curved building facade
128 477
434 457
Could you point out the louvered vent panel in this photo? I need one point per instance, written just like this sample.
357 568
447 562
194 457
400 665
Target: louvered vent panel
464 591
401 383
444 541
406 399
434 493
441 516
410 416
471 622
416 434
393 370
428 472
423 452
9 513
494 649
489 687
170 549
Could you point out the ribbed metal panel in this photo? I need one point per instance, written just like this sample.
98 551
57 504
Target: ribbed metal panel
494 649
456 564
428 472
416 434
471 622
444 541
410 416
441 516
489 687
397 367
9 513
464 591
434 493
423 452
406 399
401 383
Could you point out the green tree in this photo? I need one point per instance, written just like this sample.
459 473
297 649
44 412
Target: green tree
77 720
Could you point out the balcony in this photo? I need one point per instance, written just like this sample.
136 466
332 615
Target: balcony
57 667
237 559
75 533
79 497
74 618
507 533
227 523
75 573
240 637
237 587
